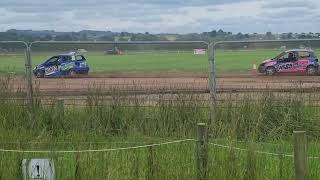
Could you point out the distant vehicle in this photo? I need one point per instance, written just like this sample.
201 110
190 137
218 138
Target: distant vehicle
61 65
114 51
291 61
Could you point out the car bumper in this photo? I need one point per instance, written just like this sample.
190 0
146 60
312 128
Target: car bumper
262 69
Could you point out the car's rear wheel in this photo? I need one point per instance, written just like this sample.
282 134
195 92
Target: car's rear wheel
270 71
40 74
311 70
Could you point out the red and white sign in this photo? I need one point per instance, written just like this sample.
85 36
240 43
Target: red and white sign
199 51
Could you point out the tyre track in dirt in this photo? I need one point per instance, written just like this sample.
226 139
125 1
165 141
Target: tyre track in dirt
152 85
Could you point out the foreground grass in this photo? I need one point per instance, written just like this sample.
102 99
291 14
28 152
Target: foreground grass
226 61
265 124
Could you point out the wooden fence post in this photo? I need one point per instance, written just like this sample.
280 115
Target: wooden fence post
150 175
59 116
300 155
60 108
202 152
212 72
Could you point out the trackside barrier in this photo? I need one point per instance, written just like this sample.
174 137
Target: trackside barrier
211 55
28 63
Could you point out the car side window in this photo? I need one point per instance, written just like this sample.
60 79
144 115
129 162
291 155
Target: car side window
288 57
52 60
284 57
292 56
67 58
304 55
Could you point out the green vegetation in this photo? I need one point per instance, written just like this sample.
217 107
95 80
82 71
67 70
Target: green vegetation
263 123
227 62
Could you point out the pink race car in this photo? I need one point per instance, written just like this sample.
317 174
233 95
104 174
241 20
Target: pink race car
292 61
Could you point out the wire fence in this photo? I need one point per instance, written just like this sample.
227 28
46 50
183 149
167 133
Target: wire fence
136 147
97 150
203 152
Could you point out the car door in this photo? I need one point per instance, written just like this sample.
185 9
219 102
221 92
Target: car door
52 66
303 61
293 62
285 63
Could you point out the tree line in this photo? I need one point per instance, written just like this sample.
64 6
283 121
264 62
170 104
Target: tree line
88 35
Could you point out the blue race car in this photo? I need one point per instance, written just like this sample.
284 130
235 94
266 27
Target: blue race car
62 65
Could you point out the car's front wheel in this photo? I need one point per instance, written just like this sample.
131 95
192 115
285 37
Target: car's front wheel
40 74
270 71
311 70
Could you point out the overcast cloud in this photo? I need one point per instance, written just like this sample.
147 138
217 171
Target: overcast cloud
162 16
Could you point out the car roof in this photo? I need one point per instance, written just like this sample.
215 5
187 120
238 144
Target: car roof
299 50
70 55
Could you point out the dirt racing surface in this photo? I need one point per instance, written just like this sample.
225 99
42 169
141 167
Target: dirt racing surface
225 83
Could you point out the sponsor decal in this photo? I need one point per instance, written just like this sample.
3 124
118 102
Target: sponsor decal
65 67
283 67
51 69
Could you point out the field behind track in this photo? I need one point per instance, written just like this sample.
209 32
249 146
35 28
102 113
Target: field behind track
236 61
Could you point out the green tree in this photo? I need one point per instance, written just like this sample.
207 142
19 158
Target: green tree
269 36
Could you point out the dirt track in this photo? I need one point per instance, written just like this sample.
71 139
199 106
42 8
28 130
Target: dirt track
226 83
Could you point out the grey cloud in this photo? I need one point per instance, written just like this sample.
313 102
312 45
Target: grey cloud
148 15
28 18
212 9
288 13
288 4
58 5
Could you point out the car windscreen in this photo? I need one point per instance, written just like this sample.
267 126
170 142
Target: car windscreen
52 60
280 55
80 58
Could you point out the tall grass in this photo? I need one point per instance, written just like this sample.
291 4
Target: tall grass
263 123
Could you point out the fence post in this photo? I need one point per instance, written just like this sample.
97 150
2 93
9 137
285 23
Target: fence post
212 73
29 75
60 107
300 155
29 83
150 175
202 151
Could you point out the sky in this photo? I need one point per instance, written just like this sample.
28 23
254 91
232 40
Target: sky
162 16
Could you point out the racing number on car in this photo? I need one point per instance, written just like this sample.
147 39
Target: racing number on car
51 69
285 66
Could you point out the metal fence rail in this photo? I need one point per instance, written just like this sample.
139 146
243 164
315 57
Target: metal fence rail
210 45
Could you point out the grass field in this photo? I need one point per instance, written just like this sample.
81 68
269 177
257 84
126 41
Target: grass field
226 61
